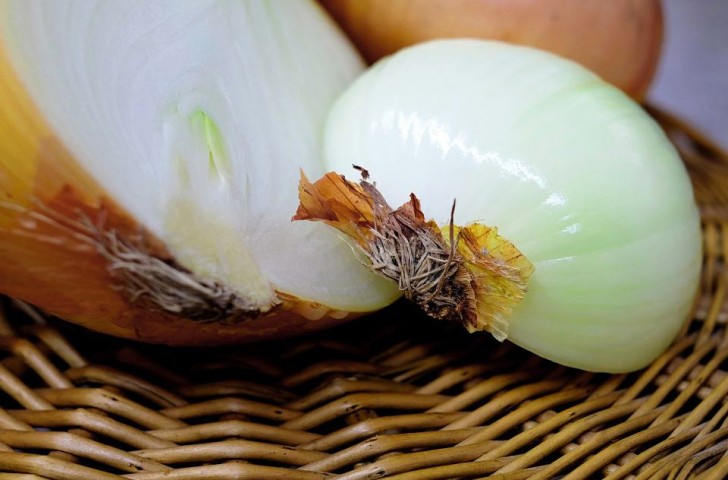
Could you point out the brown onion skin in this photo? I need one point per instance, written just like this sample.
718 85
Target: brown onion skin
618 39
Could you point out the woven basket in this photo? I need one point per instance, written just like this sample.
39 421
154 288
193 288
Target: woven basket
395 395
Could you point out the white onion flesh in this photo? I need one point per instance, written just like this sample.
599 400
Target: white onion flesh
568 168
196 116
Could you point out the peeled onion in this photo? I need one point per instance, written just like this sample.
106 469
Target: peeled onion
569 169
149 157
620 39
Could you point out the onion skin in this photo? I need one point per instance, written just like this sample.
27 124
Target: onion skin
621 42
53 268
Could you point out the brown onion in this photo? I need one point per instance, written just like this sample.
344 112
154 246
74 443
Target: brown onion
620 40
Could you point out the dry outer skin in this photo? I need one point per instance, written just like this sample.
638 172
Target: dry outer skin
469 275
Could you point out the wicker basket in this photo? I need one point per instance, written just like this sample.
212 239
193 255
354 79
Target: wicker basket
395 395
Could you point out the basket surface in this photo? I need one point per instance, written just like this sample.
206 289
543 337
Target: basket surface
395 395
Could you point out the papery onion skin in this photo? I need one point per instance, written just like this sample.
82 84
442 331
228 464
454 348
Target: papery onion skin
56 268
620 39
569 169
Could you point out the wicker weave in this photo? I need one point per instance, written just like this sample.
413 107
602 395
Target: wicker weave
394 395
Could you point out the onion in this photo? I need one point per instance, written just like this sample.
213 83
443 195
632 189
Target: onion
572 173
149 156
620 39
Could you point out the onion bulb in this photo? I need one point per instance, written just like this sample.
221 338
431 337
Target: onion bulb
580 201
620 39
149 157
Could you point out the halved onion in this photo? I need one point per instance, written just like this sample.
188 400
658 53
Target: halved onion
149 156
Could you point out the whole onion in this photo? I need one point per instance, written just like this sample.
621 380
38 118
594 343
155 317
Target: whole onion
618 39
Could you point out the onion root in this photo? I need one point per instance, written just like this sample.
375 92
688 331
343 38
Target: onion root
469 275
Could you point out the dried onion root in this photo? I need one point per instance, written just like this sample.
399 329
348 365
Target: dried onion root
468 275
